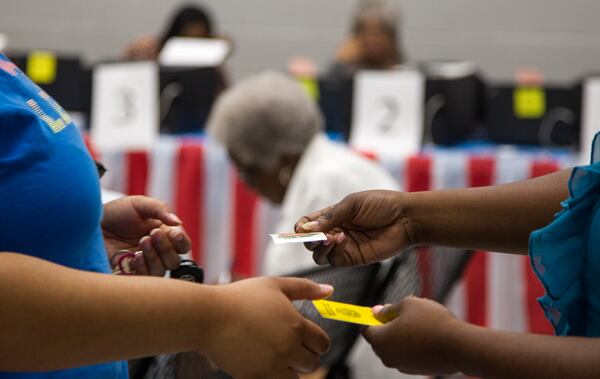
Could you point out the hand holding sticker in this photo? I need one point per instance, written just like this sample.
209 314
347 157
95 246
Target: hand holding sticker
346 312
283 238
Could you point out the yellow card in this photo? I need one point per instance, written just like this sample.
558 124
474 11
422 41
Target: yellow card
346 312
41 67
529 102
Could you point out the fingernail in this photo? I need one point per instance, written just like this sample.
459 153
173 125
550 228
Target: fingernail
326 288
310 225
145 244
340 238
376 309
158 237
326 242
173 217
387 313
179 237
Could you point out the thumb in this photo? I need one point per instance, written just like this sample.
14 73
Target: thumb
303 289
373 333
387 313
148 207
327 218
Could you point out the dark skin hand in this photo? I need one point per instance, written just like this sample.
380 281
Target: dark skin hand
415 337
366 229
370 226
422 337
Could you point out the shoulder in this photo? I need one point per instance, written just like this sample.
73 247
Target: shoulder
342 166
337 171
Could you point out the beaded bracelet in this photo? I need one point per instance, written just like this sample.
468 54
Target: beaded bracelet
124 262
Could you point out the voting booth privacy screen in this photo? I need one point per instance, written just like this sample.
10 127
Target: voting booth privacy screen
446 103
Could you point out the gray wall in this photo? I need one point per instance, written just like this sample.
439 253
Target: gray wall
561 37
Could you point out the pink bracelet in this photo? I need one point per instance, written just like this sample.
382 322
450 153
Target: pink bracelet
125 260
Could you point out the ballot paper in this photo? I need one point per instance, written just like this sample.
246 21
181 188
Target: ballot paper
194 52
346 312
283 238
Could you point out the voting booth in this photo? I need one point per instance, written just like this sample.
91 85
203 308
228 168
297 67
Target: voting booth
546 115
335 101
453 101
186 98
62 76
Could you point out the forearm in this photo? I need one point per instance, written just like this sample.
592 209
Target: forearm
498 218
54 317
492 354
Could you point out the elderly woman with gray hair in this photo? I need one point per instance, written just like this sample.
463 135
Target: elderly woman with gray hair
273 132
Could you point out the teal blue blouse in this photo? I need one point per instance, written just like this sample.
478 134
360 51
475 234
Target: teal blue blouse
565 255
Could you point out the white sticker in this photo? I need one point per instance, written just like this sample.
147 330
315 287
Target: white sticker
282 238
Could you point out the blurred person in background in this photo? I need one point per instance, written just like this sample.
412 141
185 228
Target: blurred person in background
375 43
189 21
273 132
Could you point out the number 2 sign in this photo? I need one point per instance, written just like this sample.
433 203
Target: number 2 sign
388 111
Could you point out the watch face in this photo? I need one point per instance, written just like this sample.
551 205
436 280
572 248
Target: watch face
188 273
187 278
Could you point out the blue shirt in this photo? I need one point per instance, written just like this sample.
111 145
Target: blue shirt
50 204
565 255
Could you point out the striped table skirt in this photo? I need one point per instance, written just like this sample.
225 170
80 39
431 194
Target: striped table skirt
229 225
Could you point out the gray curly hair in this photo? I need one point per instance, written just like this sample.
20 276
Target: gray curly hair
263 118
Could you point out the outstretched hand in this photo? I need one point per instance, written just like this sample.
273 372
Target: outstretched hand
261 334
419 337
363 228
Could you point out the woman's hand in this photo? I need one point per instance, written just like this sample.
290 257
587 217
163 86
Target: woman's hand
146 224
418 337
349 52
363 228
143 48
259 333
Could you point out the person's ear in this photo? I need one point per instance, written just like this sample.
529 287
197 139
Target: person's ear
289 160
